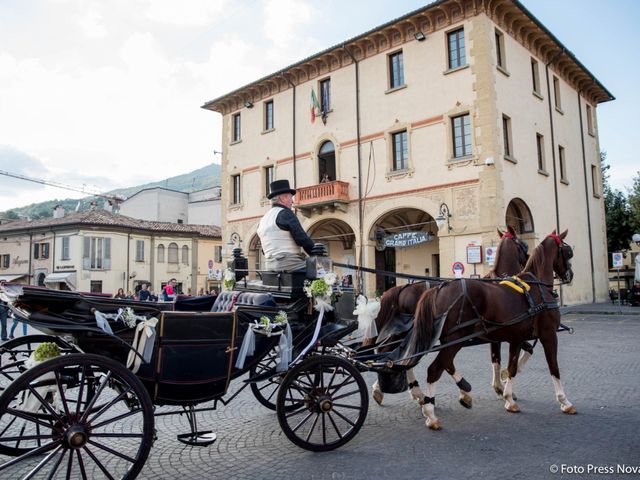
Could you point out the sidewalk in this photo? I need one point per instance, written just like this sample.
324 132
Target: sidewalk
607 308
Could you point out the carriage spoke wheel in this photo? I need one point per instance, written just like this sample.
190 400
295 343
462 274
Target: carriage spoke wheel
75 416
15 352
322 403
265 392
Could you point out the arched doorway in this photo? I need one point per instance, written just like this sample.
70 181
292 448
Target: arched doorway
519 216
327 161
406 242
339 238
254 255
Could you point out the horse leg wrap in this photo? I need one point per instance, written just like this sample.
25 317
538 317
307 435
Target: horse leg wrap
464 385
414 384
527 347
431 400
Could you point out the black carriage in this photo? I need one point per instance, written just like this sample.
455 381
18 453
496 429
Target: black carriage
86 411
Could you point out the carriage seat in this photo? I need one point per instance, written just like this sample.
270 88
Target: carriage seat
224 302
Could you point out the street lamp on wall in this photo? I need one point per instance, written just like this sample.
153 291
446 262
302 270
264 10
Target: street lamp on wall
443 217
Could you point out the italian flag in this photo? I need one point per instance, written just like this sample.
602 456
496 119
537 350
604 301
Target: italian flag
315 106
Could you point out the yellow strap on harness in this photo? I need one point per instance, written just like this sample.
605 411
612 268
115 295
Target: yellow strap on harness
518 287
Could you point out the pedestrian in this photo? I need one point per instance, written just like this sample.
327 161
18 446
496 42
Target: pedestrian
4 312
15 324
169 292
152 295
120 294
144 294
130 295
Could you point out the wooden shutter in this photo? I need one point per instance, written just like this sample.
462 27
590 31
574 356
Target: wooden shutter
106 264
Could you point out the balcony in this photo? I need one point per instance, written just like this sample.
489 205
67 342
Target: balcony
324 196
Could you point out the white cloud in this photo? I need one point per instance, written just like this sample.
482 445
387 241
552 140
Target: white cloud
189 13
91 24
283 18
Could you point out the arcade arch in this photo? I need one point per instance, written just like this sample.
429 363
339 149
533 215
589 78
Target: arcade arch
421 258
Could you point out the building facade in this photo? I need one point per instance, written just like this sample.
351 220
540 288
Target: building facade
100 251
159 204
415 140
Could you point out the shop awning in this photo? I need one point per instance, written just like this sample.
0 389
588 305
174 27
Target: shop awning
69 278
12 277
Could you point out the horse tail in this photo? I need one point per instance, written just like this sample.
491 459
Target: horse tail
388 306
423 323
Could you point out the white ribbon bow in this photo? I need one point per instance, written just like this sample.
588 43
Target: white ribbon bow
142 343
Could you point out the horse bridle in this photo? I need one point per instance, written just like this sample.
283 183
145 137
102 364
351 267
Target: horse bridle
523 248
564 251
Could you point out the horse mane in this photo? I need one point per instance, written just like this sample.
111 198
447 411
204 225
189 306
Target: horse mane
536 263
388 306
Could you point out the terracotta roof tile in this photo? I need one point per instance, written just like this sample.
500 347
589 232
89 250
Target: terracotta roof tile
105 218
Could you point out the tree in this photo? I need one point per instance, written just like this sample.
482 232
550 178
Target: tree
617 212
634 204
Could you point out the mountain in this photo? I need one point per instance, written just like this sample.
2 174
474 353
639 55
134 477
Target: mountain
205 177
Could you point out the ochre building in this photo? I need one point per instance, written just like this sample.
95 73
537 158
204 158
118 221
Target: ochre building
415 140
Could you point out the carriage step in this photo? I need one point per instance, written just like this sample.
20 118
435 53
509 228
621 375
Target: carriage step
198 439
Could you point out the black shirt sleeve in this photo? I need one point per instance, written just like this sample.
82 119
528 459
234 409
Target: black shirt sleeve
286 220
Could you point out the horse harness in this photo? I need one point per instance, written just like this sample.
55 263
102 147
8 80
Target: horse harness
489 326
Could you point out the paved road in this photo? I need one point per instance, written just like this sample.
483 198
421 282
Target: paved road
600 367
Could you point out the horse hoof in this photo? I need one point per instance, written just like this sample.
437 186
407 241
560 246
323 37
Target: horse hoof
433 425
513 408
569 410
378 396
466 402
513 395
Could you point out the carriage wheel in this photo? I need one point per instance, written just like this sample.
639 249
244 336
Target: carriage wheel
265 392
322 403
75 416
15 352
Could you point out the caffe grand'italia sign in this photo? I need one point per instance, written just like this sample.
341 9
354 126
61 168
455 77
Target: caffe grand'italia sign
407 239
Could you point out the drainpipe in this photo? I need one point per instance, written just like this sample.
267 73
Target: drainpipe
586 196
553 148
53 253
360 205
293 86
30 255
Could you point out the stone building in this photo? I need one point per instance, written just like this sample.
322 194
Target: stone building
100 251
432 130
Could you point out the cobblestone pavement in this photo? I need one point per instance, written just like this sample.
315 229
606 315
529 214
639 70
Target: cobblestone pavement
600 367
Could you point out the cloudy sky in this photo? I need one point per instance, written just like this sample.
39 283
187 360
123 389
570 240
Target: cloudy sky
107 93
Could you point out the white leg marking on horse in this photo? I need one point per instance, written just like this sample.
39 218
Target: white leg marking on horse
415 392
524 358
456 376
510 404
565 404
428 409
377 394
496 383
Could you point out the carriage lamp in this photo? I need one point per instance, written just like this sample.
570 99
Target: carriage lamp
443 216
318 263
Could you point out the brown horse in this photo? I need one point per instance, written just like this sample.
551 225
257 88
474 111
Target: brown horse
511 257
465 309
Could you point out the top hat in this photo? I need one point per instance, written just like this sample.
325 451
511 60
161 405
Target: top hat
278 187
